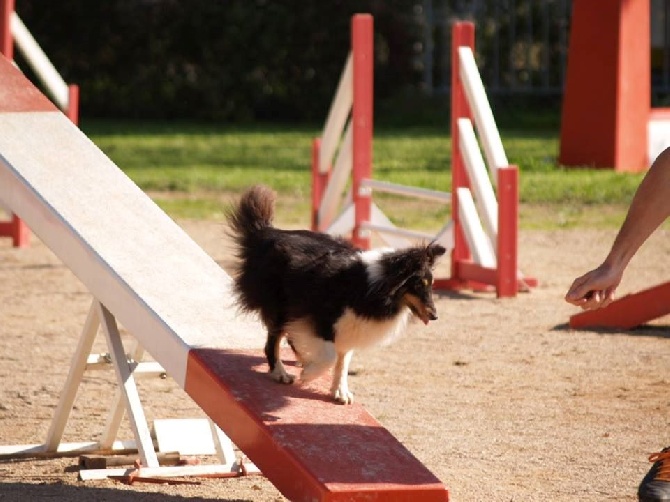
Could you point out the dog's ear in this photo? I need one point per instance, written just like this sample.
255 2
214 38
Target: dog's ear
433 252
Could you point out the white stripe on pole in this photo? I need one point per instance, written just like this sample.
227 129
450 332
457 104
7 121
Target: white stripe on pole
337 116
39 62
478 242
485 197
338 180
481 109
422 193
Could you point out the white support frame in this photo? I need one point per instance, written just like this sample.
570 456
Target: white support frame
337 115
485 197
126 401
482 251
338 180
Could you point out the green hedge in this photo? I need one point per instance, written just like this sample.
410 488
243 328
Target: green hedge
234 60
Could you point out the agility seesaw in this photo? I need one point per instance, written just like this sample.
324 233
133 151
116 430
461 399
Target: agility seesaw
146 273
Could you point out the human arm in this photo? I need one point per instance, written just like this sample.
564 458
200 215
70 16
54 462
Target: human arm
649 208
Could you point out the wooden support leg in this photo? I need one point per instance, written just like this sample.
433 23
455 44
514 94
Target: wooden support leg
77 368
138 421
117 409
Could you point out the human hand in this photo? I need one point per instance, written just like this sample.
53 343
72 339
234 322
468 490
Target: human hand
595 289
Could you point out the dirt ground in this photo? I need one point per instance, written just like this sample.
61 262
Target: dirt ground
498 398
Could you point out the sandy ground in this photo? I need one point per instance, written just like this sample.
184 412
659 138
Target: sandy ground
498 398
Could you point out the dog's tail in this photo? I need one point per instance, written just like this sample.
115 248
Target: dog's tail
254 212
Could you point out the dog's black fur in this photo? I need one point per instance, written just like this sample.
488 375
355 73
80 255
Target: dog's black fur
327 297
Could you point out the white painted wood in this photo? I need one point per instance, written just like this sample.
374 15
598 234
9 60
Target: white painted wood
74 377
222 444
478 242
340 109
394 231
54 84
343 224
407 191
481 109
445 236
117 409
485 197
338 181
159 284
188 436
140 369
658 129
64 449
138 422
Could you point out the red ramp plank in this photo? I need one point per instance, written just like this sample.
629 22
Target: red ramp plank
315 449
629 311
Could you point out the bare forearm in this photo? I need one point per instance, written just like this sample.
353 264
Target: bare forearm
649 208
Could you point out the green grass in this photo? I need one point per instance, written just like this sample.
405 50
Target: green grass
194 170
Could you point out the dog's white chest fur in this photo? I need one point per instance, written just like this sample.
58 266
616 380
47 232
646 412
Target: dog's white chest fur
356 332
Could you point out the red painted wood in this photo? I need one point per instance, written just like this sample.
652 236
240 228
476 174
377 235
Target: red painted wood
629 311
362 47
73 104
18 94
6 39
319 183
508 216
17 230
309 447
607 94
463 34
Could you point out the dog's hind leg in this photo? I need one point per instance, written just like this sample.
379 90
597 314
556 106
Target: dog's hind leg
277 370
340 387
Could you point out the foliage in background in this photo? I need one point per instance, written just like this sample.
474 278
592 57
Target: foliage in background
238 60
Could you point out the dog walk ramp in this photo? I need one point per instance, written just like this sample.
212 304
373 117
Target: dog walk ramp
146 273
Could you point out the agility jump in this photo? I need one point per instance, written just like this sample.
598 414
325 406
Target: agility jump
482 233
146 273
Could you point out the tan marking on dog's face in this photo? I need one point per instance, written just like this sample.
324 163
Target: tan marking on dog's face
425 312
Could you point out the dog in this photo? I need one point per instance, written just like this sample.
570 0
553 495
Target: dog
325 296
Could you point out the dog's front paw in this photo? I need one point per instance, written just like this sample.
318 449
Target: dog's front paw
281 376
343 396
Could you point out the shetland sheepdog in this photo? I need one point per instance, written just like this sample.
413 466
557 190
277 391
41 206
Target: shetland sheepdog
321 293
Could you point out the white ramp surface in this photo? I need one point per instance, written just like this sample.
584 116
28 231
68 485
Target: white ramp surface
131 256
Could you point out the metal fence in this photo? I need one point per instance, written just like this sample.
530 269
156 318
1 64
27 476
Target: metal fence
521 45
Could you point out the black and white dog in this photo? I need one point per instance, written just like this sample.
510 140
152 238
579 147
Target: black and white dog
327 297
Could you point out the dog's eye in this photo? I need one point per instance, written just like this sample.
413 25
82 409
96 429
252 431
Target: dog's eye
426 282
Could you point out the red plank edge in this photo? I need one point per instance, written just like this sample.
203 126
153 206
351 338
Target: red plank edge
308 446
629 311
18 94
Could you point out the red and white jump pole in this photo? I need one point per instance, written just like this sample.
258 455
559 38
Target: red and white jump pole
469 102
66 97
354 96
484 250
